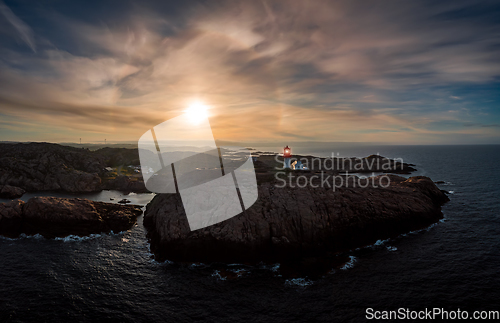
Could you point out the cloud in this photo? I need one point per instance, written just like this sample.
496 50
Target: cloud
25 32
268 69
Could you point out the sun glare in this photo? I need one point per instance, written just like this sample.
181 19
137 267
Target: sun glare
196 113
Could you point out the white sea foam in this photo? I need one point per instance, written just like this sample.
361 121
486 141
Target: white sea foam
239 272
75 238
302 282
217 275
390 248
8 239
23 236
349 264
380 242
424 229
164 263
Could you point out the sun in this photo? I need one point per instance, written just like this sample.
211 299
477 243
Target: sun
196 112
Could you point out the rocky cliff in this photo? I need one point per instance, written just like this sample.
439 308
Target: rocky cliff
43 167
292 222
51 167
59 217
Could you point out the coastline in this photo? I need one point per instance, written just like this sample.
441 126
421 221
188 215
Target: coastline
282 247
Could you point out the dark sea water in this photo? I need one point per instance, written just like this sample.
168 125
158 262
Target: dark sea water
112 277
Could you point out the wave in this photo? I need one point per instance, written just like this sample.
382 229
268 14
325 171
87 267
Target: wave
380 242
302 282
349 264
69 238
445 183
23 236
239 272
75 238
217 275
159 263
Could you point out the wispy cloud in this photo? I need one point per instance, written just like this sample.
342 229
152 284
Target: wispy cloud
24 31
270 69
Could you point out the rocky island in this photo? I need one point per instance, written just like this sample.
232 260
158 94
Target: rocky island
59 217
38 167
290 223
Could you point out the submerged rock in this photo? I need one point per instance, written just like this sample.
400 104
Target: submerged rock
291 223
11 192
59 217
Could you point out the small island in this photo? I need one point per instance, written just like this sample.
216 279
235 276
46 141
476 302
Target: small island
290 223
59 217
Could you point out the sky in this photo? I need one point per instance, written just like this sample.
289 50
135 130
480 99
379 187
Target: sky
395 72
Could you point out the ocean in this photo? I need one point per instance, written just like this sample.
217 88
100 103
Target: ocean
453 264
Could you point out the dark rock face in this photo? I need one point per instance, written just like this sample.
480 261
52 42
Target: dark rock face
43 167
11 216
125 183
291 223
51 167
59 217
10 192
119 156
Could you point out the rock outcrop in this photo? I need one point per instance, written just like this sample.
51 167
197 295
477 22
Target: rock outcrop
50 167
290 223
125 184
11 218
11 192
59 217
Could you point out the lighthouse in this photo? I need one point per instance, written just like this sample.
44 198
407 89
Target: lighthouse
287 154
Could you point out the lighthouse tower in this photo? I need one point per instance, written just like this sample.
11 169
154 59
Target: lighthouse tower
287 154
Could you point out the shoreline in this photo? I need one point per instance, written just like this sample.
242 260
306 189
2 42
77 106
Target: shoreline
266 167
